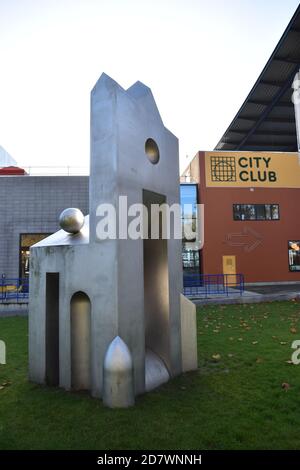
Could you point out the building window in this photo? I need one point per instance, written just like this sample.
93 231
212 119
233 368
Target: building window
255 211
188 201
294 255
190 261
26 240
190 251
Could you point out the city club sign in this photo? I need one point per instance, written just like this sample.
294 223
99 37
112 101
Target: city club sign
251 169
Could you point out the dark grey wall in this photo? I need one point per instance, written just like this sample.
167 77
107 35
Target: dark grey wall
32 204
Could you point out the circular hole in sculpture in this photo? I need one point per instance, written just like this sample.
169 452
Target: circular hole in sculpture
152 151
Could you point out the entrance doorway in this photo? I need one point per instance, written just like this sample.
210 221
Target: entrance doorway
26 241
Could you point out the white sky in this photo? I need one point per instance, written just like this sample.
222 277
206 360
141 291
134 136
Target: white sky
199 57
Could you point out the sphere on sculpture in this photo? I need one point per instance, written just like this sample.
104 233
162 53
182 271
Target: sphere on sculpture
71 220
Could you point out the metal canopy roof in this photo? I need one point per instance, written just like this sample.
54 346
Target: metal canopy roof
266 120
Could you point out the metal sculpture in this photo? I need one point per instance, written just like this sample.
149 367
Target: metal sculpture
106 314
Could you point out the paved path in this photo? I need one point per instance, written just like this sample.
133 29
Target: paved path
4 312
254 294
274 289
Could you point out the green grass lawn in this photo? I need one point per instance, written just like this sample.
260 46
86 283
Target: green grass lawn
234 401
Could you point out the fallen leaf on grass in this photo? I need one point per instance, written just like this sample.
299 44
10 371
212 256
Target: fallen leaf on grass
289 362
282 342
293 330
6 383
216 331
285 386
230 355
240 339
216 357
259 360
254 342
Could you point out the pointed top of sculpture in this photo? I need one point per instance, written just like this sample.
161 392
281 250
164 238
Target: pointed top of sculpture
140 93
143 94
118 356
138 89
106 83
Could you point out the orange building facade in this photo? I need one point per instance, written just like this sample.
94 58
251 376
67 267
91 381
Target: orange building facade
251 214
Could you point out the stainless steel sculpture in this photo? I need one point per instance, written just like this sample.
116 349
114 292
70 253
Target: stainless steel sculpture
107 315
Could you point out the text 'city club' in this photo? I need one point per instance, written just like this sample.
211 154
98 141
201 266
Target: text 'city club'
256 169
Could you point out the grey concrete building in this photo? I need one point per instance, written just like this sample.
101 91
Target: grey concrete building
29 210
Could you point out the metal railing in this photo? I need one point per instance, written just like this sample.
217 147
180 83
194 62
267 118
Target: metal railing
208 285
194 285
14 290
57 170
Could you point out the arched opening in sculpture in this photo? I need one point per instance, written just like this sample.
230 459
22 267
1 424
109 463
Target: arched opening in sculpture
80 307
